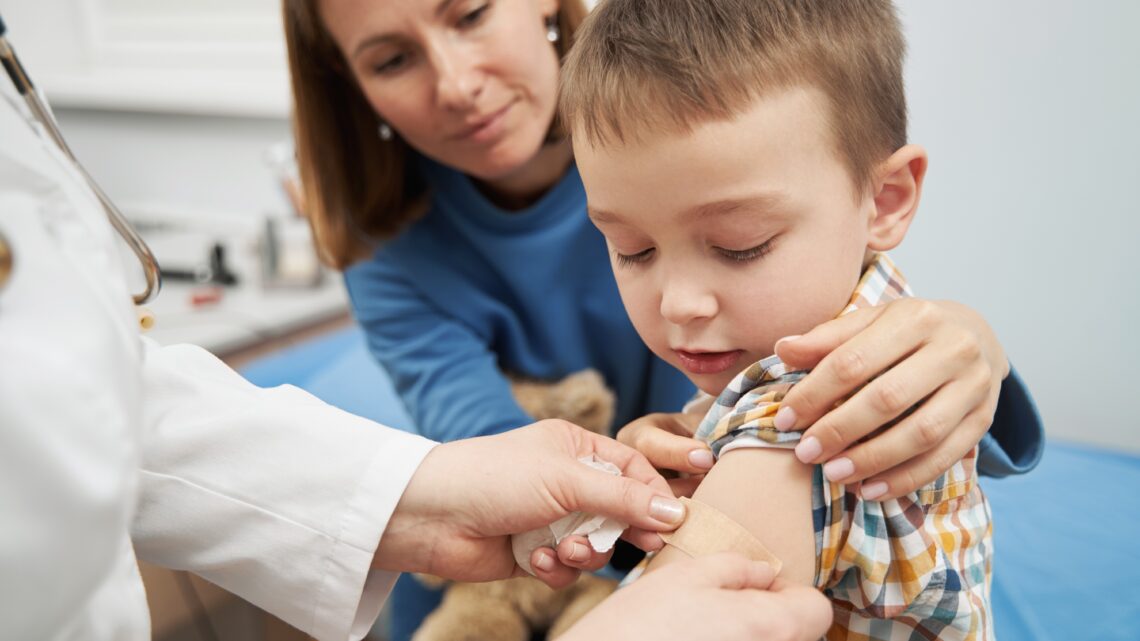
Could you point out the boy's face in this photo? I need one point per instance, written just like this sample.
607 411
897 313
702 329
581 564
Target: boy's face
725 239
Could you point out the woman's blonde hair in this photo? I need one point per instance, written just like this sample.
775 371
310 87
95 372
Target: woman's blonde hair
358 189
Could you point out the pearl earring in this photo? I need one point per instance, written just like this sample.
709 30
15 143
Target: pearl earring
385 132
552 31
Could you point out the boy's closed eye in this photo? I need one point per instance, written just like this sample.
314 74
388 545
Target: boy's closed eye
734 255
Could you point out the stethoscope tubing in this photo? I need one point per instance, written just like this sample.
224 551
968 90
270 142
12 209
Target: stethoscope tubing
42 114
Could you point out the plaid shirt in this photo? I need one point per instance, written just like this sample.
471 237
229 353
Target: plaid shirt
917 567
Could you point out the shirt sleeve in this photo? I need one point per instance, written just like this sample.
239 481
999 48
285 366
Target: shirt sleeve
269 493
1016 438
446 375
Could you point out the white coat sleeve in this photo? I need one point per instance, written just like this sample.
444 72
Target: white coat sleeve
269 493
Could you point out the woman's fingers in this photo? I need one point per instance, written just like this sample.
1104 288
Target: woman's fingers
915 471
667 441
860 345
897 391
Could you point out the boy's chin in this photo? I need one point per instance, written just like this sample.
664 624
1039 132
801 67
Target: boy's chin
711 385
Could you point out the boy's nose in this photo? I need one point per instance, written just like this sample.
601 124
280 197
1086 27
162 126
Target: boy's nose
684 300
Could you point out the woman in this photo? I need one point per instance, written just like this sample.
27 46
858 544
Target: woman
436 175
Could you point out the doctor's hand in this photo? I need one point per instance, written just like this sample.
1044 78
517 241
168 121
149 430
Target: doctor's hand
931 371
456 516
722 596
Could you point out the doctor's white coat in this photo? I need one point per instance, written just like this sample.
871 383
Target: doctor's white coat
111 446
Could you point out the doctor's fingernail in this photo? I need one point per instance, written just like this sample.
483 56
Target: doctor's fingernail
701 458
544 562
838 469
809 450
872 491
785 418
666 510
579 553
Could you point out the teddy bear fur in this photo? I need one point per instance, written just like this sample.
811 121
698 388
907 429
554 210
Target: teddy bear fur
515 609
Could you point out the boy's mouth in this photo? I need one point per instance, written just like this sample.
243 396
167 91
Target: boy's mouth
707 362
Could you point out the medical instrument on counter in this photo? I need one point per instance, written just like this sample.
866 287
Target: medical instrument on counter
5 261
42 114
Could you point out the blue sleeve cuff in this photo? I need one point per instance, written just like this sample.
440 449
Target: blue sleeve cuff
1017 437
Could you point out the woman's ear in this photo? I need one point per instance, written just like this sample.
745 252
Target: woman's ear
548 7
898 187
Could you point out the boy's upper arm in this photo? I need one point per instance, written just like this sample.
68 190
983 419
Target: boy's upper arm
768 491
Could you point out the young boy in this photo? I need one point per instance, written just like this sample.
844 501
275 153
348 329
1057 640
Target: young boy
747 163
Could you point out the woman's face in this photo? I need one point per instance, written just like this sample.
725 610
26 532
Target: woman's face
469 83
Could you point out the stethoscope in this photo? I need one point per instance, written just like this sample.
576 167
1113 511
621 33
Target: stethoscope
41 113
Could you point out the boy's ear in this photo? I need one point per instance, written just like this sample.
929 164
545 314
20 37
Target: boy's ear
897 190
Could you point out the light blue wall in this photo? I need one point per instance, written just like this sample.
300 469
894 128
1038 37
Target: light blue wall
1029 111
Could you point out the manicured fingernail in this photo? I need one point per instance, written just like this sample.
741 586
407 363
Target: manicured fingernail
666 510
785 418
701 458
579 553
838 469
809 450
872 491
544 562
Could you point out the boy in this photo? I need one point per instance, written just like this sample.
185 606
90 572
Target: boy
747 163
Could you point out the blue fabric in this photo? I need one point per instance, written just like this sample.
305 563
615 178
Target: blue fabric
1065 547
1016 439
470 289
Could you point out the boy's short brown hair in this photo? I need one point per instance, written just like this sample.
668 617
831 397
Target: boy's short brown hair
663 66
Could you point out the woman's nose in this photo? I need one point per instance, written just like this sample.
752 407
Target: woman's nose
459 79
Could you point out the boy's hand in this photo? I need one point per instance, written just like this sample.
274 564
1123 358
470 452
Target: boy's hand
935 367
667 441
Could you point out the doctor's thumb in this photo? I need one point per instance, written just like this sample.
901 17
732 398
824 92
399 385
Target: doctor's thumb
629 501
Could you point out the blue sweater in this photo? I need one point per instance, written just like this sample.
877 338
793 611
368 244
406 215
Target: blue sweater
470 290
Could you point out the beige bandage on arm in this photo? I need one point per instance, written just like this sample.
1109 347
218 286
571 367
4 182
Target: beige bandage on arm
707 530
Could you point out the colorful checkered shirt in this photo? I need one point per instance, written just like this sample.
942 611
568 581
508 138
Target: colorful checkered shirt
917 567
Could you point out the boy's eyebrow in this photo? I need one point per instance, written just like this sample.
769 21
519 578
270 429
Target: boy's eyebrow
764 201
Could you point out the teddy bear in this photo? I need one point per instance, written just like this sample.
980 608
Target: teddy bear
515 609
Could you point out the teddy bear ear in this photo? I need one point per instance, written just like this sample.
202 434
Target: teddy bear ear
431 580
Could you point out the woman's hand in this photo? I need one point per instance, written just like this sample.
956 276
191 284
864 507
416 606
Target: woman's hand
456 516
935 367
667 441
723 596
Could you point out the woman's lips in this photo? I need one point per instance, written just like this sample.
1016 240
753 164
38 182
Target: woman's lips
487 129
708 362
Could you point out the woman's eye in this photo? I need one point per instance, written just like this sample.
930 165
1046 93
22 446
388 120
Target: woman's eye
472 18
629 260
391 64
746 255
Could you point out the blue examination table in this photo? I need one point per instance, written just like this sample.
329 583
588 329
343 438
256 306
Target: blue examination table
1067 535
